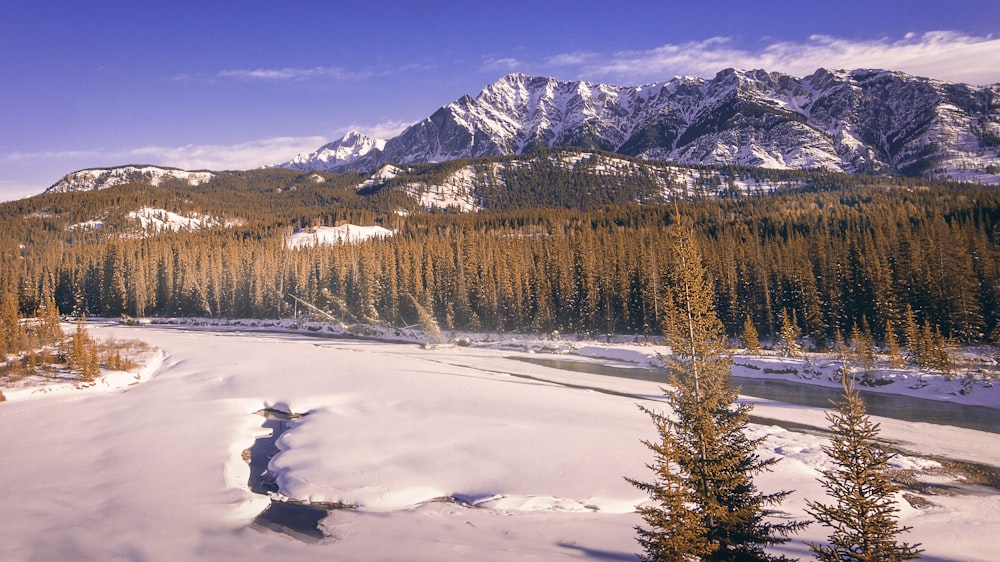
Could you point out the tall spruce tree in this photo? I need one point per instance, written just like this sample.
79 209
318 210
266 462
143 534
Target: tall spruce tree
705 505
863 520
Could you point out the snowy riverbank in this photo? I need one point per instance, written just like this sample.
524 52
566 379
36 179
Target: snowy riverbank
450 453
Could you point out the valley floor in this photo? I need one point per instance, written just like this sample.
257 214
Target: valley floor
449 453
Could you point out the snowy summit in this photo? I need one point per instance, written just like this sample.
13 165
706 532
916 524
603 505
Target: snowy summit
336 155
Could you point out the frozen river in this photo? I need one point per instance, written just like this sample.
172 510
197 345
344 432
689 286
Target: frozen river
896 406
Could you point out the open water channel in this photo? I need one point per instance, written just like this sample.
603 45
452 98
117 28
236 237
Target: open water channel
906 408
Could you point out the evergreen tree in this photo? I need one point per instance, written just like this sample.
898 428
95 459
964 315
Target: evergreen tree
49 323
11 332
674 530
863 520
934 355
864 346
751 340
790 334
914 338
704 462
839 345
892 347
83 355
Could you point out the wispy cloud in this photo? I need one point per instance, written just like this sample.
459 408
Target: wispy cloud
505 64
945 55
49 155
240 156
381 130
290 73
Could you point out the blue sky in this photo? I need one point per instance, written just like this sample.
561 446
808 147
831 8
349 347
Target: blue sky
235 85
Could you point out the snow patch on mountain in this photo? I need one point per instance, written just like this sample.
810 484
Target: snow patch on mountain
150 220
161 220
457 191
382 175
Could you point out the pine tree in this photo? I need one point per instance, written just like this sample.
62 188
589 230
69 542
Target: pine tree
83 355
49 323
674 530
839 345
12 337
864 347
751 340
790 334
914 340
863 520
935 354
704 462
892 347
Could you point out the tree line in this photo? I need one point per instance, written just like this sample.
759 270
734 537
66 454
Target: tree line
834 259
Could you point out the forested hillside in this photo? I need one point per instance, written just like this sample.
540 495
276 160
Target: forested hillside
555 252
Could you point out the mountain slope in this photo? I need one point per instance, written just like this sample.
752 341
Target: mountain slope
102 178
862 121
568 177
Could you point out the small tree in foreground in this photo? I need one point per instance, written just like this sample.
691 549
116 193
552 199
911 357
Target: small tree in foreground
705 505
863 520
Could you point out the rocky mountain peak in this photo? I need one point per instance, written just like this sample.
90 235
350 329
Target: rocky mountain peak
337 155
857 121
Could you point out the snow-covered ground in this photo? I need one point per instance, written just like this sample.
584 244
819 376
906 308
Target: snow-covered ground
449 453
330 235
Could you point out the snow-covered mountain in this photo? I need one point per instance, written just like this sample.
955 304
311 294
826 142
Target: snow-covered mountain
102 178
337 155
861 121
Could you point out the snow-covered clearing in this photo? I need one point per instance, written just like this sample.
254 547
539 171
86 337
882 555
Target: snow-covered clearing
330 235
450 453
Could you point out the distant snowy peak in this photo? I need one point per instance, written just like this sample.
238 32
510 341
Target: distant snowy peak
102 178
857 121
335 155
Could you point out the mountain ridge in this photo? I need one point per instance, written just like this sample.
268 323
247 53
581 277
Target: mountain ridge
859 121
91 179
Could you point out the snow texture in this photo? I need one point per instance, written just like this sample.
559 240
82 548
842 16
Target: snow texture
449 453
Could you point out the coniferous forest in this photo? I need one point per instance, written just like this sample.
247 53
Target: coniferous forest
835 253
